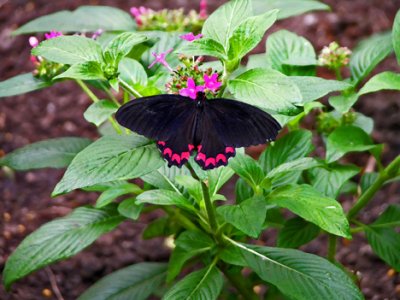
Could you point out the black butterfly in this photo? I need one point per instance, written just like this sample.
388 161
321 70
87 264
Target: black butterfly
213 128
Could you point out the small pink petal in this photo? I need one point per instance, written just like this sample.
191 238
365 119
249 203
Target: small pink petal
190 37
33 41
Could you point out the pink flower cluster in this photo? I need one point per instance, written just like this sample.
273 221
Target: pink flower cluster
210 82
33 41
203 9
138 12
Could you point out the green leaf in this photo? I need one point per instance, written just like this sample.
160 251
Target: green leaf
343 103
188 245
281 174
383 81
313 88
384 239
110 158
164 197
69 50
218 177
192 185
248 216
294 145
132 72
58 240
258 60
137 282
243 191
115 191
297 274
130 209
221 24
98 112
297 232
364 122
287 48
329 179
396 36
368 54
288 8
345 139
161 227
121 45
53 153
312 206
22 84
83 19
248 169
164 177
367 179
249 33
267 89
203 46
203 284
90 70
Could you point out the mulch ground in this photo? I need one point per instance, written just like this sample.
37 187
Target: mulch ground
25 201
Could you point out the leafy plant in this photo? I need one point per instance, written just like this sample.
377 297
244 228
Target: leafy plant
213 245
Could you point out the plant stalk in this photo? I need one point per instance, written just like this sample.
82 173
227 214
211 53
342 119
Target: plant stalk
94 98
129 89
240 284
332 242
389 172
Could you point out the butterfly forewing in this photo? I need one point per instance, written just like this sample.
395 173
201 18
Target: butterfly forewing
239 124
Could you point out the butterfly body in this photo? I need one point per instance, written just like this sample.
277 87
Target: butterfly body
211 128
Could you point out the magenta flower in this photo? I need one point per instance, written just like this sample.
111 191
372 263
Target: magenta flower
138 12
191 89
203 9
190 37
52 34
97 33
160 58
211 82
33 41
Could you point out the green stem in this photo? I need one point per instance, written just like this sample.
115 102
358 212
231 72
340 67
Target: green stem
182 219
211 214
389 172
225 76
109 94
338 74
94 98
239 283
332 241
129 89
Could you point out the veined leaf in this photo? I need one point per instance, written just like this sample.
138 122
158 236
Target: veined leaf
396 36
203 46
164 197
203 284
287 48
288 8
188 245
53 153
110 158
192 185
247 216
383 81
83 19
130 209
249 33
22 84
248 169
121 45
137 282
69 50
368 54
345 139
299 164
384 240
115 191
132 72
312 206
221 24
297 232
266 89
313 88
58 240
98 112
90 70
297 274
343 103
164 177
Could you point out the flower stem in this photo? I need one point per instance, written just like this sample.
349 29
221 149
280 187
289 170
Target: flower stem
94 98
389 172
129 89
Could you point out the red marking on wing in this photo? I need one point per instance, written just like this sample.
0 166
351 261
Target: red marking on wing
211 162
174 158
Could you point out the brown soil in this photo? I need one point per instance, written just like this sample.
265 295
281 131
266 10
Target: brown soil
57 111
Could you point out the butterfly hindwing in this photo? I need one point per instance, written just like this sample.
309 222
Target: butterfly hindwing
239 124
